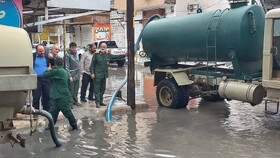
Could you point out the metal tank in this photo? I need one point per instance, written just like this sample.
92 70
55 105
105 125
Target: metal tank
234 34
246 92
16 76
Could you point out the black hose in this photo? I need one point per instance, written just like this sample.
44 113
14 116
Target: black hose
51 125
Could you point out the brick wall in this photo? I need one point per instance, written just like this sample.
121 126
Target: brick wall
148 13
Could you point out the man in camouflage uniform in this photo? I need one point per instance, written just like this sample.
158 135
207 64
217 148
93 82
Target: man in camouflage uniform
99 71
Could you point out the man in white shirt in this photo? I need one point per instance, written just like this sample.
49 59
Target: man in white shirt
85 63
53 54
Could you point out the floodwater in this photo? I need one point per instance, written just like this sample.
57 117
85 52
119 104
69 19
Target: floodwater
202 130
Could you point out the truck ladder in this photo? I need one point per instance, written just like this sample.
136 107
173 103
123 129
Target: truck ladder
212 28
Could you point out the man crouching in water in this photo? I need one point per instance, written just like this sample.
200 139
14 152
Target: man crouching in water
60 92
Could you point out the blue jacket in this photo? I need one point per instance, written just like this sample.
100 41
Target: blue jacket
46 56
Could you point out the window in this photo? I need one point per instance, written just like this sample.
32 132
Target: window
276 30
276 44
110 44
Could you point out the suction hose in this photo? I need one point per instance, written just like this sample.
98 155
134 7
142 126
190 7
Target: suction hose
51 125
136 47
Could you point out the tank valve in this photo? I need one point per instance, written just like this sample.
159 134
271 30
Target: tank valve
27 110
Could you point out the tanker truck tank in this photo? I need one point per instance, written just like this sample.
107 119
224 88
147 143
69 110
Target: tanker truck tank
16 76
234 35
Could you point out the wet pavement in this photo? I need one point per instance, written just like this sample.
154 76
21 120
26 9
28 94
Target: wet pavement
202 130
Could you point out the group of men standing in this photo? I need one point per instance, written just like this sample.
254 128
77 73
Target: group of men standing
94 69
58 80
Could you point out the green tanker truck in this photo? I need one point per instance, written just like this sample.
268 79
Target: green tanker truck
222 54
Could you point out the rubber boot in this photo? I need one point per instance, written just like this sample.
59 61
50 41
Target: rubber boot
74 126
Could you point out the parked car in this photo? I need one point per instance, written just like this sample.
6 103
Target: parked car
44 43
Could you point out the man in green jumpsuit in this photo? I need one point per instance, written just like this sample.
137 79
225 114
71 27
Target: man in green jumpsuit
60 92
99 71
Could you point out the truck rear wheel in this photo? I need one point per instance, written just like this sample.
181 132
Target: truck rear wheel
169 94
120 63
185 96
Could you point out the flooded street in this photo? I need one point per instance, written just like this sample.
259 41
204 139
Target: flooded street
202 130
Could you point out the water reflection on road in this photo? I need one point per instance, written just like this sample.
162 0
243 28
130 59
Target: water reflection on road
202 130
213 130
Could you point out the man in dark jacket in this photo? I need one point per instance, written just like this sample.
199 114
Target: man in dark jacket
60 92
73 66
40 65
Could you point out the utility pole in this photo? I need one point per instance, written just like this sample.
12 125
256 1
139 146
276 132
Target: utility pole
131 54
64 41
